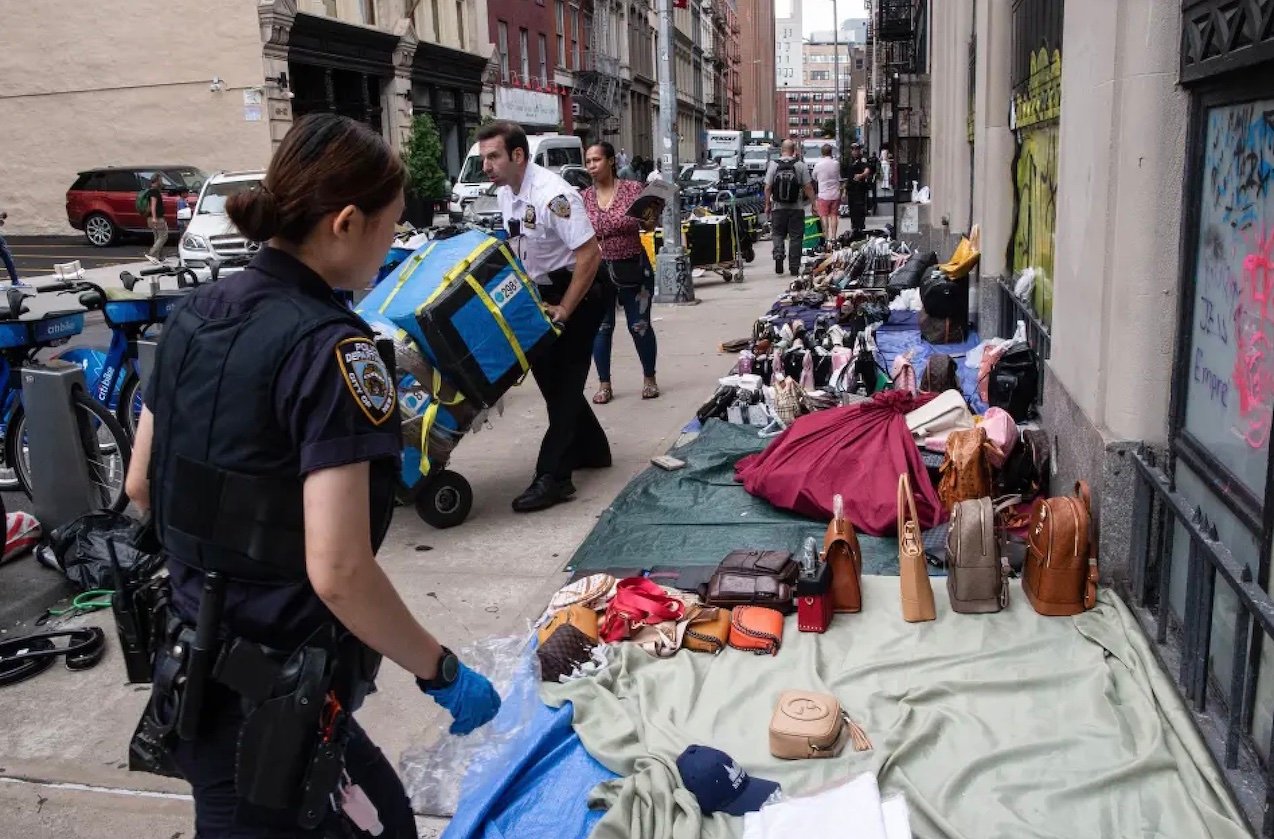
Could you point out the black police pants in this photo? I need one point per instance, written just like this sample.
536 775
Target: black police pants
787 225
574 437
208 763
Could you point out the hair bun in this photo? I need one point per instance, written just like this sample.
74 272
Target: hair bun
255 212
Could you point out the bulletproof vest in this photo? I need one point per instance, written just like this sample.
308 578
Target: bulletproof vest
224 473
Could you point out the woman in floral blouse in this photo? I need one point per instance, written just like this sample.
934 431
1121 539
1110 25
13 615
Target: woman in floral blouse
625 273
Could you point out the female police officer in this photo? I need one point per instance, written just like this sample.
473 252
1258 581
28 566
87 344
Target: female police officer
268 450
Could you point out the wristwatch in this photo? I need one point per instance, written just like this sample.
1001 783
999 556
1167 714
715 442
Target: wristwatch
448 672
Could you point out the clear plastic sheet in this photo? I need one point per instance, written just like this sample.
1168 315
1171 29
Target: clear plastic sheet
436 775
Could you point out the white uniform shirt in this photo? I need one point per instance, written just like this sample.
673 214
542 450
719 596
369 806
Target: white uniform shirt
552 218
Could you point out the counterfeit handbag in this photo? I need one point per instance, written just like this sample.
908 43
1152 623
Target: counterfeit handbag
814 599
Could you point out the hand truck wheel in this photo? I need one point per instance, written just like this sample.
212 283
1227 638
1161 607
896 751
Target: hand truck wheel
445 500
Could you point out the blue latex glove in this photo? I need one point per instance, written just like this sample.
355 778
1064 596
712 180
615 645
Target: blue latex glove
471 699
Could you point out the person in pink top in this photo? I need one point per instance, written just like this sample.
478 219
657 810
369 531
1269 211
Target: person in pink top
625 273
826 176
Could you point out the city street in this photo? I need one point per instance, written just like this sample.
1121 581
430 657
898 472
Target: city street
36 255
63 747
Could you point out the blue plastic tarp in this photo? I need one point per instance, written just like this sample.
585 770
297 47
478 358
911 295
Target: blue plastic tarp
540 787
902 334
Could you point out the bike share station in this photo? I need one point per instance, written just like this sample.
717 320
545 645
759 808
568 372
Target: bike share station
62 469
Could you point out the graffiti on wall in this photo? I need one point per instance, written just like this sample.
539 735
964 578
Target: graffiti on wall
1036 110
1230 391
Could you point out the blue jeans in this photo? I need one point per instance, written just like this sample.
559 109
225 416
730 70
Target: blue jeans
8 260
636 301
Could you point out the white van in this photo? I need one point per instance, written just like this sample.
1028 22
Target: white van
552 151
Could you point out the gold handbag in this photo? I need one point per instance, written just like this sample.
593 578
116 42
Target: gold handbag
917 593
812 725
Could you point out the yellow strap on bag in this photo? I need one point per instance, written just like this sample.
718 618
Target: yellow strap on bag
528 283
404 276
426 424
500 321
459 270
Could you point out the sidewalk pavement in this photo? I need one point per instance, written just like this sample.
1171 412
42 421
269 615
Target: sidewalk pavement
63 748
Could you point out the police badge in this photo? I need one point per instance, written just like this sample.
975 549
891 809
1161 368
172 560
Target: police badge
560 207
367 378
528 218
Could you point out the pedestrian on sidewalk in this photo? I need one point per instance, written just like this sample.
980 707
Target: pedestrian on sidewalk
826 175
787 189
6 255
625 275
858 175
622 158
268 449
549 228
155 218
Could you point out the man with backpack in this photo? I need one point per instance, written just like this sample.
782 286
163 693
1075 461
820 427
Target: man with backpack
787 189
150 203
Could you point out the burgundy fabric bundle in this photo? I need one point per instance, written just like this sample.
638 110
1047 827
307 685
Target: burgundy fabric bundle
857 452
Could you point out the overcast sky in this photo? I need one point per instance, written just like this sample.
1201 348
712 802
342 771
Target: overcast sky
818 13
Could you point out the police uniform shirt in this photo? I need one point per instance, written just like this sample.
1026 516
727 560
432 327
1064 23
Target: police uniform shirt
552 221
335 399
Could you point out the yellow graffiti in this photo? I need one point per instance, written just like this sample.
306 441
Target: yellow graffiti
1041 101
1037 109
1035 182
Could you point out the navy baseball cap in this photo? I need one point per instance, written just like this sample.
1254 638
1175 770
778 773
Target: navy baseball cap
721 785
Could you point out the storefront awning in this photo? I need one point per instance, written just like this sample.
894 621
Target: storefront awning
325 42
436 64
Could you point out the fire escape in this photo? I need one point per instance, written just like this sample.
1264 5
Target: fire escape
719 56
597 88
891 45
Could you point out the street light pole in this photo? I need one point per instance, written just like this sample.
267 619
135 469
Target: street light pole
673 283
840 152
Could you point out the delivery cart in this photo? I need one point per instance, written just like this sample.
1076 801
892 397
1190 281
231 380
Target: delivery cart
464 322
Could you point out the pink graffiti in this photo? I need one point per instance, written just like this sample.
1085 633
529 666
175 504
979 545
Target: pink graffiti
1253 362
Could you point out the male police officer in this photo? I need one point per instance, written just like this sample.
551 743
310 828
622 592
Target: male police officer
554 239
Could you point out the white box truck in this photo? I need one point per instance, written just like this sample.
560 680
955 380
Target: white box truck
723 145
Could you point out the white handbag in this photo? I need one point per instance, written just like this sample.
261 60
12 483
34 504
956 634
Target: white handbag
947 412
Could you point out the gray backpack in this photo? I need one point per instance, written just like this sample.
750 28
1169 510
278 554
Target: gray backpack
977 572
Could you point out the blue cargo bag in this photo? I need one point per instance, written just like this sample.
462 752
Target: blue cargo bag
469 304
435 416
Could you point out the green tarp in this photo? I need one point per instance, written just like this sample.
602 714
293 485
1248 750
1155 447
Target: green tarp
1009 725
696 515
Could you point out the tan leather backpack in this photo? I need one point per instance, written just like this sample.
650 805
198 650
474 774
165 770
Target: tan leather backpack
1060 573
977 569
966 472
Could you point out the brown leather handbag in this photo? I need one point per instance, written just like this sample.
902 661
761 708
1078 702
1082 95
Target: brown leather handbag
730 588
812 725
777 564
1060 574
708 630
842 553
581 617
966 472
756 629
913 575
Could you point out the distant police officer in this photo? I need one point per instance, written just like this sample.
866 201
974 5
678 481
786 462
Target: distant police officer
268 451
552 235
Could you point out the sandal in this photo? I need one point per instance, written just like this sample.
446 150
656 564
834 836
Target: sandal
650 391
604 394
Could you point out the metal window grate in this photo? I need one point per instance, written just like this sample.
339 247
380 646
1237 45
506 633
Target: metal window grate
1223 713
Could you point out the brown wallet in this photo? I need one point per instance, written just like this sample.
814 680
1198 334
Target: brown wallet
581 617
756 629
731 588
777 564
708 630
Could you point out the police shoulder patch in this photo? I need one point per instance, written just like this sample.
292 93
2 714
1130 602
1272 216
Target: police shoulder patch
367 378
560 206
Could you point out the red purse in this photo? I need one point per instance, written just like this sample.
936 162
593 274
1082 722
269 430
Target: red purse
638 602
814 600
